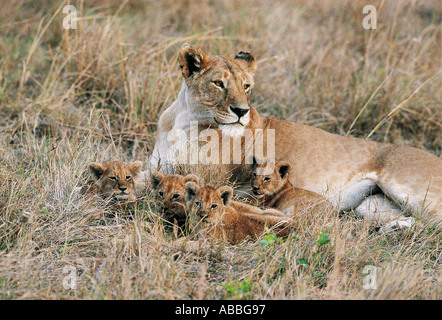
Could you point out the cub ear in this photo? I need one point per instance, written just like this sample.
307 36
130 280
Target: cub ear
253 162
192 60
283 168
135 167
156 178
226 194
190 189
247 61
191 177
96 170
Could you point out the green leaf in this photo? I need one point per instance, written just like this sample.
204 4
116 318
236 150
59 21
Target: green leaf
323 239
44 211
302 261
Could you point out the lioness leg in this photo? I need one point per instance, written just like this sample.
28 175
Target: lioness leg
412 178
383 211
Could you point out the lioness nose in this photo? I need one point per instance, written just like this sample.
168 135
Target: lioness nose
239 111
122 188
255 188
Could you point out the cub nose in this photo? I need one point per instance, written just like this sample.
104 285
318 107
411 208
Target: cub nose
239 111
255 188
122 188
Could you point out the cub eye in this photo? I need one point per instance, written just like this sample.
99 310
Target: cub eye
175 196
113 178
161 193
246 87
253 175
266 179
128 177
214 206
198 204
219 83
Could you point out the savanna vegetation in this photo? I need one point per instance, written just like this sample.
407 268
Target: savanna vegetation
71 97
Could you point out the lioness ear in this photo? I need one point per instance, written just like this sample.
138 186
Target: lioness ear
97 170
226 194
191 177
156 178
283 168
135 167
246 61
190 189
192 60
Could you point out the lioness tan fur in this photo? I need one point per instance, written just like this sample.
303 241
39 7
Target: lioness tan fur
229 220
169 194
216 93
274 190
114 179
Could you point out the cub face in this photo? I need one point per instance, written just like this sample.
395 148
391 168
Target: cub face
169 193
115 179
269 184
208 202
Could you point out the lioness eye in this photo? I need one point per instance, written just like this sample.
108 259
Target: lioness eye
161 193
253 175
175 196
113 178
219 83
246 87
214 206
198 204
128 177
266 179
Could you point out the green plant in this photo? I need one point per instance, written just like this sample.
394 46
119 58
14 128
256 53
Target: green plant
238 290
270 239
323 239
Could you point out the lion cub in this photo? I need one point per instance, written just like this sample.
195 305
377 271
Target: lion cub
232 220
275 191
113 180
169 194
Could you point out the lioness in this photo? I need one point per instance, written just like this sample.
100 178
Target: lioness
169 194
115 179
229 220
216 93
273 189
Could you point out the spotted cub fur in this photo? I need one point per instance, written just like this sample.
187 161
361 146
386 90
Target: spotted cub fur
225 219
274 190
113 180
169 194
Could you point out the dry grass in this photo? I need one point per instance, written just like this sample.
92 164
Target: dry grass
71 97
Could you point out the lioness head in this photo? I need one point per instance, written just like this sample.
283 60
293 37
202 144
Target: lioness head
269 184
219 86
209 202
169 193
116 179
